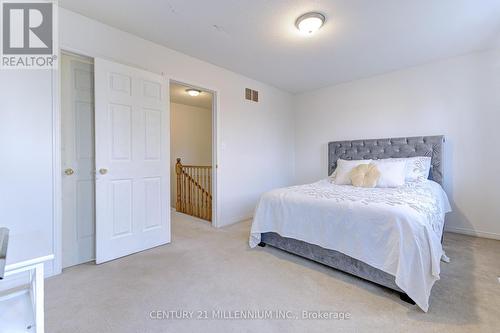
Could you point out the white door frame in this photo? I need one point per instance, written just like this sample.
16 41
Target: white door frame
215 144
56 149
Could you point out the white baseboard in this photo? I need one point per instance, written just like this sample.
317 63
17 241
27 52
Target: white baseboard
475 233
236 220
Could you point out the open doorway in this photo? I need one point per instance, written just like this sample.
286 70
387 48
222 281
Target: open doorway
192 152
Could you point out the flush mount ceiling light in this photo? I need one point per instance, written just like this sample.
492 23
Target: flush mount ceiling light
193 92
310 22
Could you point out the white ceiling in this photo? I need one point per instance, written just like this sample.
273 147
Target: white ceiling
257 38
179 95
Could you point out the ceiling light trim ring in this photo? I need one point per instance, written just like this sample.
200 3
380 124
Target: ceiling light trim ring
309 15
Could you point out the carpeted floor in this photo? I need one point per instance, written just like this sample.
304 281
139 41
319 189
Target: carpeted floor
206 269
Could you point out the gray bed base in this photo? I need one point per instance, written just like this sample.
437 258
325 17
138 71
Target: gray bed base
357 150
4 240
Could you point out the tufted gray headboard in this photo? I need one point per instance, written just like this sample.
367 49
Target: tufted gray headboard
387 148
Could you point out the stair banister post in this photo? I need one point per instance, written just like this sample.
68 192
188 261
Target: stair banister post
178 171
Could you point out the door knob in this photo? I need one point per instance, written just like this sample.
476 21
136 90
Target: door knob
103 171
69 172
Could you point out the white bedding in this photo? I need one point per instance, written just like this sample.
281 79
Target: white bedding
397 230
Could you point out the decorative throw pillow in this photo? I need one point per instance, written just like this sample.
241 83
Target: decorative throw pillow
365 175
417 168
343 170
392 172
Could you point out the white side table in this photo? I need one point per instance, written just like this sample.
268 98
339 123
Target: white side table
23 310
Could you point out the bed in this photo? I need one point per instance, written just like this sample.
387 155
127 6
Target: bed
391 237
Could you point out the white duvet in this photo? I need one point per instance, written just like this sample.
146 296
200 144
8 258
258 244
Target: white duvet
397 230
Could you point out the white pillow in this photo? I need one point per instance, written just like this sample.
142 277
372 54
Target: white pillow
417 168
342 173
392 172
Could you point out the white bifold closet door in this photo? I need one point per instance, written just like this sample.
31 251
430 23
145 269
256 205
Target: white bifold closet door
77 118
132 160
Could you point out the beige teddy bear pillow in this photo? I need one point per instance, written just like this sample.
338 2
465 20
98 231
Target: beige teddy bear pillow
365 175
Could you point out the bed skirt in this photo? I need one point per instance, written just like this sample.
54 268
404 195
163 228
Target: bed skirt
331 258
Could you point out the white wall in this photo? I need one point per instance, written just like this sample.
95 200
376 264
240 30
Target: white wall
458 97
26 188
190 139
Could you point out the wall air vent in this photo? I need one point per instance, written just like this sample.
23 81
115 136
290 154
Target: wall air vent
251 95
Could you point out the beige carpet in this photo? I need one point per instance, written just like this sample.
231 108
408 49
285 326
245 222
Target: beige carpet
210 269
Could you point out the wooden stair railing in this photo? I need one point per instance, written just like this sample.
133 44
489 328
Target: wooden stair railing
194 190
